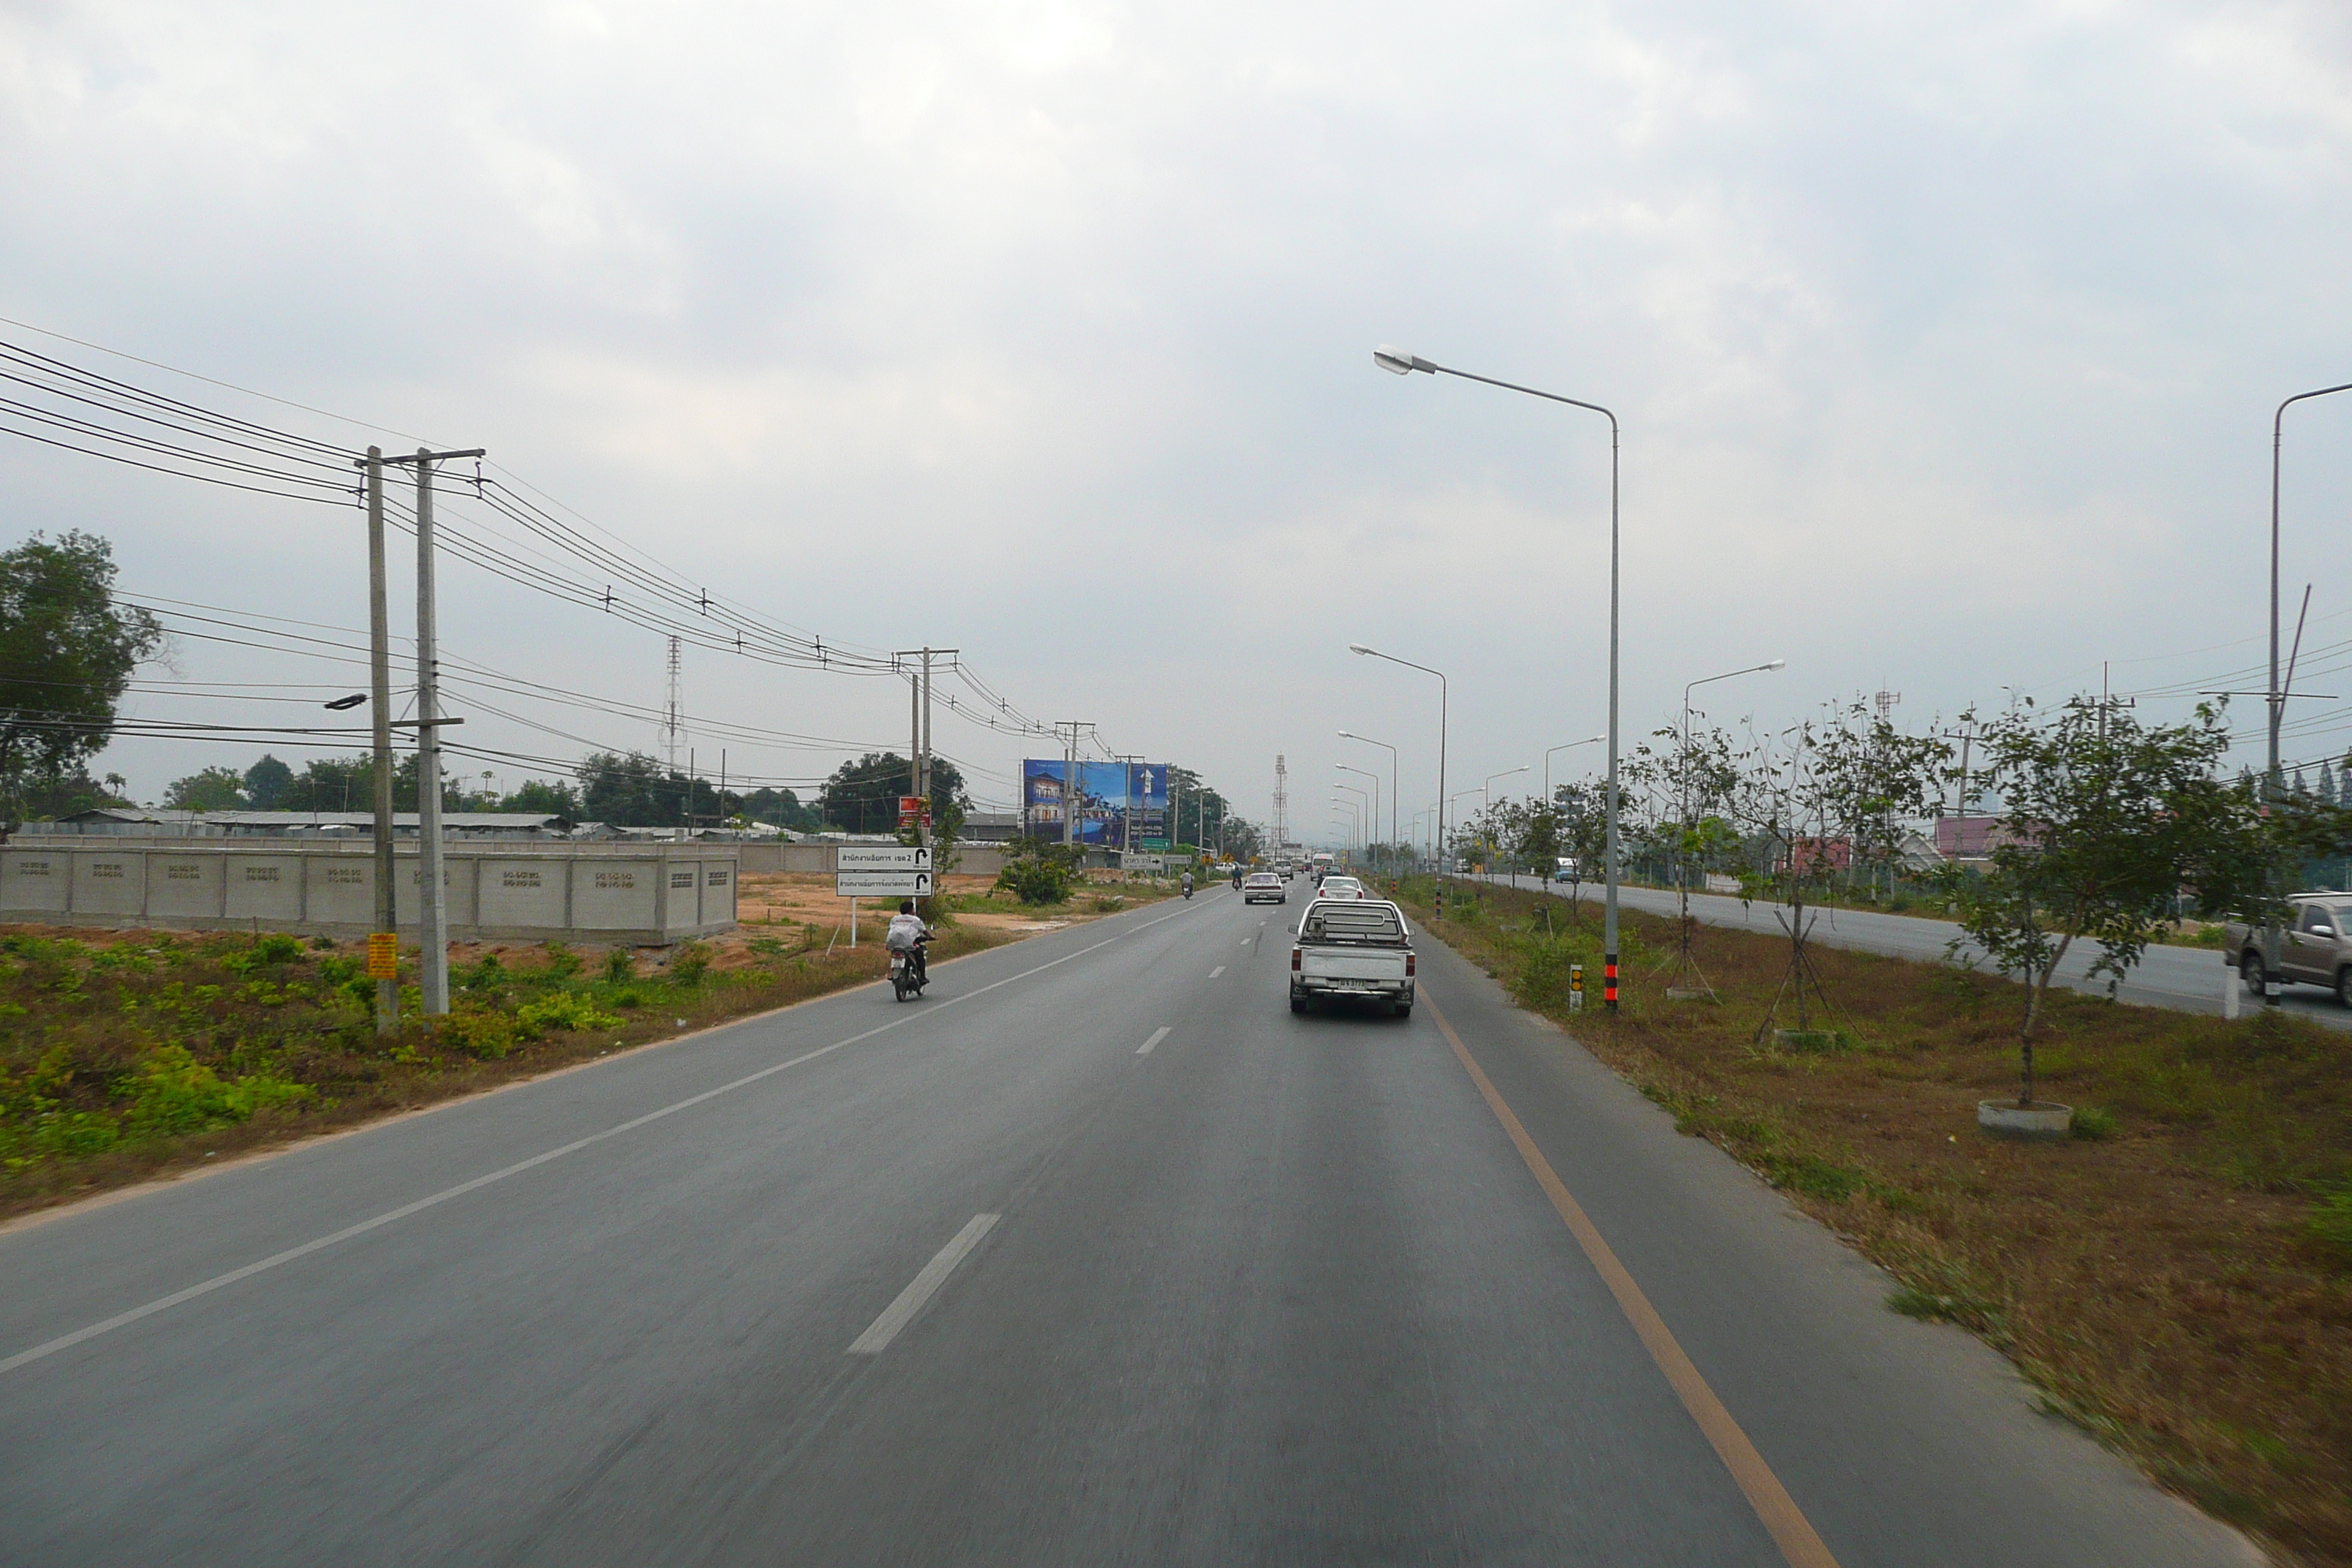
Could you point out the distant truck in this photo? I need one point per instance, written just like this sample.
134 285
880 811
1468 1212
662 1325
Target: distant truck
1352 950
2314 945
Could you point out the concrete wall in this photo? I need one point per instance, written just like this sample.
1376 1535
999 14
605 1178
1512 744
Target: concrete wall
640 893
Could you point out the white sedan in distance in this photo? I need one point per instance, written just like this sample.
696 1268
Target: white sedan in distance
1264 886
1341 888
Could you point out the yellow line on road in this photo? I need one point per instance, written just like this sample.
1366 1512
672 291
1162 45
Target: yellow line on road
1774 1507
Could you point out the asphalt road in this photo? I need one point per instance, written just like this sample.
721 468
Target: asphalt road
1097 1254
2190 980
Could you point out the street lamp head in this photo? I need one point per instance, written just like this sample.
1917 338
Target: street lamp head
1398 362
1359 648
1777 664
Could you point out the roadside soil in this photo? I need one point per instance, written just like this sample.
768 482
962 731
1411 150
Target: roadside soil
2177 1277
134 1055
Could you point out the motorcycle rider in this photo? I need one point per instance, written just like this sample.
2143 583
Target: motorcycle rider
1188 884
907 934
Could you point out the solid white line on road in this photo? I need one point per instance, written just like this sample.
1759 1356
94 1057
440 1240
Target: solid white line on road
1214 972
205 1287
900 1312
1158 1035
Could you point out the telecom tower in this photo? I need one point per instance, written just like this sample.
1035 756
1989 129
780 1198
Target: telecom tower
1281 801
669 710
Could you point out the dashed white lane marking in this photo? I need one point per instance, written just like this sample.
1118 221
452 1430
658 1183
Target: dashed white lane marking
276 1259
1247 940
1214 972
1158 1035
922 1288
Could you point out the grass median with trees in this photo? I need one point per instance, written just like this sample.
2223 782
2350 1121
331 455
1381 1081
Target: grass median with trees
2177 1277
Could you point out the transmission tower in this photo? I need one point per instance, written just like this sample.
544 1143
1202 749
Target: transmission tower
670 707
1281 801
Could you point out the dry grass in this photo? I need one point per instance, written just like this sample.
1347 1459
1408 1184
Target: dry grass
2180 1282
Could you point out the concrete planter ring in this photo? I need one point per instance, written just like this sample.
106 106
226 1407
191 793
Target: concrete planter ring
2007 1118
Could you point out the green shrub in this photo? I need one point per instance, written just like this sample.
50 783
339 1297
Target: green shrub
274 948
72 1132
2091 1123
487 1035
482 975
1035 881
563 1010
173 1092
690 964
620 964
562 962
766 946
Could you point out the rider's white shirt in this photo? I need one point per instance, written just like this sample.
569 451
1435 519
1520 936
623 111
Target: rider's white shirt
904 930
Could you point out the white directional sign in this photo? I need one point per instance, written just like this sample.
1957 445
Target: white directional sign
882 858
882 884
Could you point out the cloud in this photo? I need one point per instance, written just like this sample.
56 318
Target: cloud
1944 340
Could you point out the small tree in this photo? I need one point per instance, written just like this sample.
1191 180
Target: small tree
1816 801
213 789
2102 822
66 652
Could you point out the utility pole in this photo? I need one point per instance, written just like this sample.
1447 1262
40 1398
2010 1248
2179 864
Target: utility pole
387 990
669 710
1071 794
920 756
433 894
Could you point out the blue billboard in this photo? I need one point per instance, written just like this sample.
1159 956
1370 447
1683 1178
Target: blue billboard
1118 806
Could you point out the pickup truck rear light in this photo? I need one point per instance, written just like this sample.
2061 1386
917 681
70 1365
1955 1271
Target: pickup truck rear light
1408 965
1294 960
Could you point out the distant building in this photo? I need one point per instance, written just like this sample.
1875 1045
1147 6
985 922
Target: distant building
1807 855
1971 840
146 822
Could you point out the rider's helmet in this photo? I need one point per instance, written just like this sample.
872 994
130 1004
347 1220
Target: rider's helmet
906 906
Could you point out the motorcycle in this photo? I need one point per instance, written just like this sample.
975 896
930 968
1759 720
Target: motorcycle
1187 887
908 973
1237 880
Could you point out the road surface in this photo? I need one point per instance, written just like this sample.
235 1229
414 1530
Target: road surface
2189 979
1097 1254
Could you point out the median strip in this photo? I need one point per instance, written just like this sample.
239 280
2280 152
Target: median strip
923 1287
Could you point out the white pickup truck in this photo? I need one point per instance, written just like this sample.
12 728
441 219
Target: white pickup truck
1359 949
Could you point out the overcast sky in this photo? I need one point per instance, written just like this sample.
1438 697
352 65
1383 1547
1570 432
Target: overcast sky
1946 342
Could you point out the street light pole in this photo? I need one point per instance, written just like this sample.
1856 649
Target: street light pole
1564 746
1360 814
1375 824
1402 363
1681 877
2278 696
1394 797
1444 701
1488 806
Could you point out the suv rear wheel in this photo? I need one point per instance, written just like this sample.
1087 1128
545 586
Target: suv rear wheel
2250 970
2344 986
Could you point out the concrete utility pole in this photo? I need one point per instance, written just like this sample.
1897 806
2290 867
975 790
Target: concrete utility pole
433 896
919 684
1069 728
387 913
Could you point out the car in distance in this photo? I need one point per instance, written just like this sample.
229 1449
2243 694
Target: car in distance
1264 886
1337 886
1352 950
2314 945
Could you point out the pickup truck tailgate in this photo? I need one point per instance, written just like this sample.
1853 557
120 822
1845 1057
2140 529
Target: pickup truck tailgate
1339 963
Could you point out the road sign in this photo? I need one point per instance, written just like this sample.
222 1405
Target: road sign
882 884
912 810
383 955
881 858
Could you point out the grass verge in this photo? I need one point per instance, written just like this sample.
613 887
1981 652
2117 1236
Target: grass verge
125 1056
2177 1277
